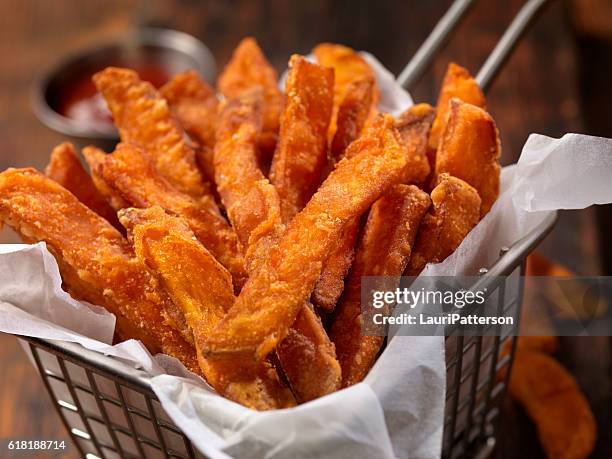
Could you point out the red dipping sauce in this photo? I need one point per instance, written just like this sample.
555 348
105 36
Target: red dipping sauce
81 102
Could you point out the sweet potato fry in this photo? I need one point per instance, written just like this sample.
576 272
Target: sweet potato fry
330 285
253 208
552 399
390 229
251 202
455 211
470 150
308 358
95 259
247 69
271 299
131 174
353 112
94 158
457 83
348 66
65 168
143 117
414 125
194 103
202 288
301 153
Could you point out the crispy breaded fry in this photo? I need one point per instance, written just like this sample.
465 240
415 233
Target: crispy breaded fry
301 153
348 66
253 208
194 104
65 168
250 200
457 83
552 399
390 229
353 112
143 117
330 285
455 211
308 358
470 150
273 296
94 158
414 125
132 175
202 288
247 69
101 266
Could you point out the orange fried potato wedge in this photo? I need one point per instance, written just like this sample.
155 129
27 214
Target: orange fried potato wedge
271 299
455 211
470 150
552 399
460 84
301 153
330 285
66 169
248 69
96 261
384 250
202 288
308 358
251 202
94 157
353 112
414 126
132 175
143 117
194 104
306 355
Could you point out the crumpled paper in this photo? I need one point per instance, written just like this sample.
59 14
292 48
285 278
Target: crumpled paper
398 410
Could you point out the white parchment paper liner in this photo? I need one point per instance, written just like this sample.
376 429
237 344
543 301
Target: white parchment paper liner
398 410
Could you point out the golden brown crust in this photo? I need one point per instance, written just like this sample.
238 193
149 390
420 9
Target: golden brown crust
470 150
253 208
251 202
414 126
202 288
301 153
65 168
143 117
455 211
94 157
330 285
348 66
247 69
132 176
352 113
460 84
272 297
390 229
550 395
102 267
194 103
308 358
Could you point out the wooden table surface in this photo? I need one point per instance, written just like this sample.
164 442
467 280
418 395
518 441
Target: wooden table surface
549 86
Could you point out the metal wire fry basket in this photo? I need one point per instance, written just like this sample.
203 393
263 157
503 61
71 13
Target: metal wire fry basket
110 410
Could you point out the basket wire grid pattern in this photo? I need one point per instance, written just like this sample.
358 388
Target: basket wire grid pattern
110 410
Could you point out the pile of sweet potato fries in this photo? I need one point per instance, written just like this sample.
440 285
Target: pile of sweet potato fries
233 232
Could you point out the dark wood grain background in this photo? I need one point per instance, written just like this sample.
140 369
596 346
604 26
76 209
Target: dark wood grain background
557 81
